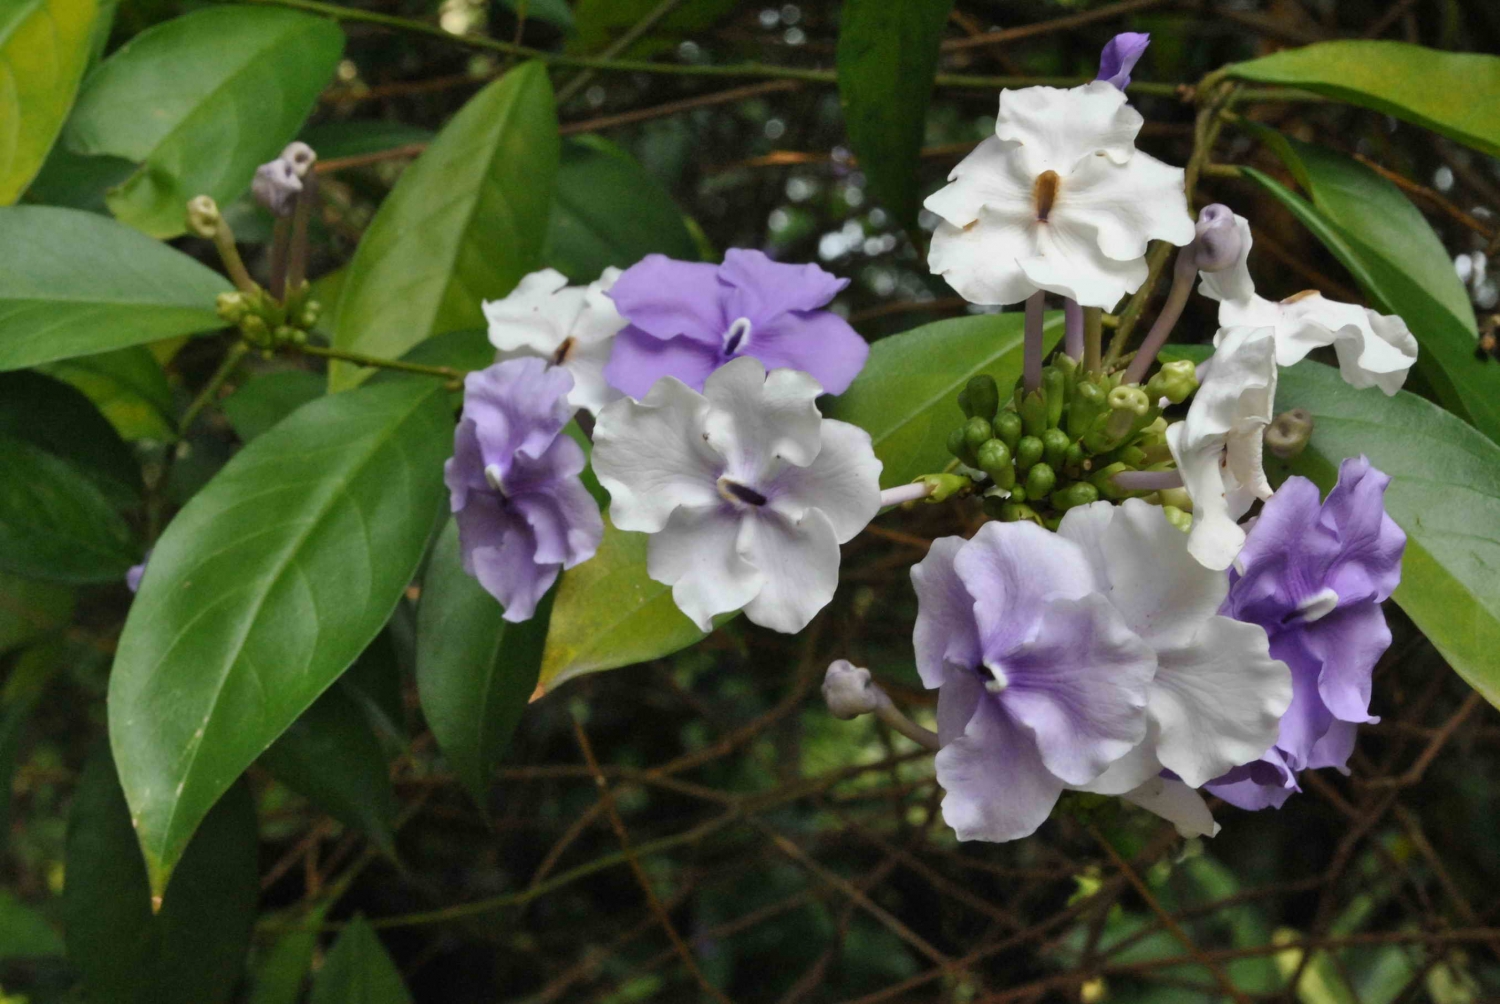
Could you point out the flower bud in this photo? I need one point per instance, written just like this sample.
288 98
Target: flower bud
1033 410
299 157
1177 498
276 187
1028 451
1131 399
1055 392
957 446
977 432
1089 402
849 692
1181 520
1218 244
1289 432
995 460
1040 480
255 330
1103 481
1081 493
203 216
1055 445
1008 428
231 307
1175 381
983 396
1017 512
944 486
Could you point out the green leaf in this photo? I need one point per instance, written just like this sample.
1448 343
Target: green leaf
73 284
906 397
887 55
199 102
333 140
263 589
1445 493
25 933
52 415
279 978
192 951
23 689
475 670
268 398
610 613
330 756
554 12
609 211
44 49
30 610
358 971
1456 94
600 22
464 223
1464 383
128 386
74 181
55 524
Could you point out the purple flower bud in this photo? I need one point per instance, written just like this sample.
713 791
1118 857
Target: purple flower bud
1120 55
300 157
135 573
1218 243
276 187
849 692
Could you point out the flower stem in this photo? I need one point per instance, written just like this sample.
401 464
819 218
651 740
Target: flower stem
1093 339
206 395
281 236
1032 359
1147 481
1183 274
905 493
1073 328
360 359
890 714
296 267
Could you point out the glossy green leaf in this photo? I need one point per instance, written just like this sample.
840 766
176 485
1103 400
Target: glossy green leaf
464 224
200 101
1445 493
330 756
52 415
30 610
192 951
73 283
1456 94
55 524
267 398
279 977
264 588
906 397
609 211
1465 383
74 181
600 22
44 49
610 613
358 971
475 670
25 933
128 386
887 55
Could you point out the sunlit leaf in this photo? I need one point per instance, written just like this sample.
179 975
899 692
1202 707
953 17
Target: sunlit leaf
44 49
128 386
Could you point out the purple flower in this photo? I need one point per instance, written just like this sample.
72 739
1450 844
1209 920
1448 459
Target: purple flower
1043 686
1314 576
689 318
523 514
1120 55
135 573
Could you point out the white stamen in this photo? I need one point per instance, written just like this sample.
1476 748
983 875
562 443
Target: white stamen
1318 605
737 335
1000 681
494 476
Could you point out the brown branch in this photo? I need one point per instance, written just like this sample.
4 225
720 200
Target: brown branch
1068 23
1422 191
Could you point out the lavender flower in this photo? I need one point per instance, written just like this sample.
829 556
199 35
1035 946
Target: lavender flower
523 514
1314 577
689 318
135 573
1120 55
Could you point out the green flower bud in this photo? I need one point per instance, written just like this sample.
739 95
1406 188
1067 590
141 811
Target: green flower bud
994 459
984 396
1016 512
977 432
1089 402
1028 451
964 403
1008 428
944 486
1034 413
1075 456
1080 493
284 334
203 216
994 505
1129 398
1176 498
253 328
1039 481
956 444
1101 480
1181 520
1018 494
1175 381
311 311
1055 391
1055 445
231 307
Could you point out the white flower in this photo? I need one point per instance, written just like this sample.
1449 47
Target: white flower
1374 350
569 326
746 490
1217 698
1058 200
1218 447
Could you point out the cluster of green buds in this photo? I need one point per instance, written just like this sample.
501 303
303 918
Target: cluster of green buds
1061 445
269 324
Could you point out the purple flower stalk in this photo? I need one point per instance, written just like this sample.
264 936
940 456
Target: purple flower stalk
689 318
523 514
1120 55
1314 576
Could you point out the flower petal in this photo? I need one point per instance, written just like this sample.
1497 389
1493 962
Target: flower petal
1177 803
695 553
1233 285
757 419
843 481
1348 642
536 316
1267 783
981 262
762 290
499 550
1368 565
1011 570
565 522
1126 205
997 787
638 360
654 456
958 697
1057 128
991 177
799 565
946 633
819 343
1070 264
665 299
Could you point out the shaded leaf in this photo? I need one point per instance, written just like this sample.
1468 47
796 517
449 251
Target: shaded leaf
1456 94
25 933
73 283
609 211
358 971
906 397
75 181
264 589
52 415
330 756
44 49
1465 383
554 12
23 689
464 223
55 524
128 386
200 101
190 952
280 977
475 670
600 22
887 55
29 610
267 398
333 140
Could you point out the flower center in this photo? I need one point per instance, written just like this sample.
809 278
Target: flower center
496 478
1318 605
736 336
1044 194
998 680
1300 296
563 351
733 491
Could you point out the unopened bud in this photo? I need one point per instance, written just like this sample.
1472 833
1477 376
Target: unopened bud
1081 493
977 432
1176 498
1175 381
203 216
299 157
1029 450
255 330
276 187
1288 433
1008 428
1218 244
1129 398
983 396
944 486
849 692
995 460
231 307
1055 445
311 311
1040 480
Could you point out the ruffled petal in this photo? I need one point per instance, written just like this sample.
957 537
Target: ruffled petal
1011 570
1129 772
1348 642
982 261
799 565
638 360
1126 205
819 343
958 697
991 177
499 550
761 290
695 553
996 785
654 456
946 633
1265 784
666 299
565 522
1057 128
1307 718
1177 803
1367 567
843 481
757 420
536 316
1070 264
